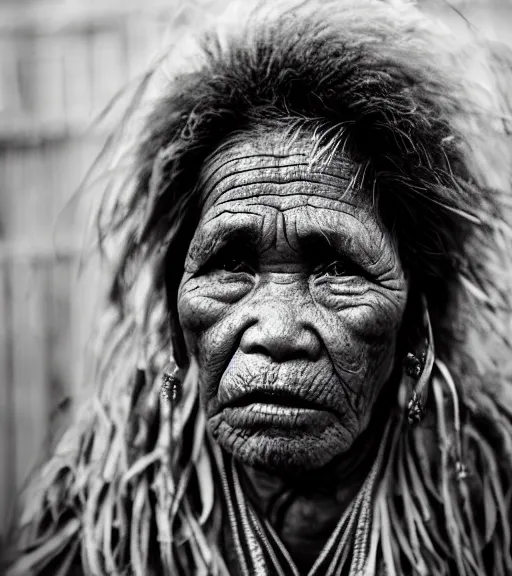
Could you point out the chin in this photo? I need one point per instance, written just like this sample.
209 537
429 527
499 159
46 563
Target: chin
281 451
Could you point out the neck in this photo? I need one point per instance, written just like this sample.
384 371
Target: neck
304 509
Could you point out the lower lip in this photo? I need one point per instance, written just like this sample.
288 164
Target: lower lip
272 415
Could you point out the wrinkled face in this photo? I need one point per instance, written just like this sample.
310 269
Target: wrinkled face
291 301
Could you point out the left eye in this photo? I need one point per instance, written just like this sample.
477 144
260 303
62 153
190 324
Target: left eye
336 268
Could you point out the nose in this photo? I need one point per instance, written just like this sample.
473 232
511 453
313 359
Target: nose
280 333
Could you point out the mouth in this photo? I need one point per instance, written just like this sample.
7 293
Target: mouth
278 398
277 410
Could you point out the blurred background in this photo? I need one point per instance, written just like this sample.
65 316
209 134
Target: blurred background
61 62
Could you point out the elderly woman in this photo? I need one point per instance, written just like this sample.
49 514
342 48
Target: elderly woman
313 232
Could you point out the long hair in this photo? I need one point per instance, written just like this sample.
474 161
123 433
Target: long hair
133 484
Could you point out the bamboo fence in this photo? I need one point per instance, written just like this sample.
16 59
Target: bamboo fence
58 69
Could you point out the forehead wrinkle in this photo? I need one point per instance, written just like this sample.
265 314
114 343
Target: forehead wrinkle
221 160
241 160
343 173
259 203
273 196
235 183
260 196
247 163
218 162
242 173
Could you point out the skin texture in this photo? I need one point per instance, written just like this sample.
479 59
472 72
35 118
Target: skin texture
291 302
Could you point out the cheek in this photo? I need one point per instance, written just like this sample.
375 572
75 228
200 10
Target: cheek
369 313
212 324
360 324
202 302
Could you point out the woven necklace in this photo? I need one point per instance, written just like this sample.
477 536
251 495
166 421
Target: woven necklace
259 550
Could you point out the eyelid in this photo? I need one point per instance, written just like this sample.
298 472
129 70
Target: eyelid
324 266
352 268
225 253
204 252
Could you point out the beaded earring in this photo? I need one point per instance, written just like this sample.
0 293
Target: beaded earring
171 386
417 369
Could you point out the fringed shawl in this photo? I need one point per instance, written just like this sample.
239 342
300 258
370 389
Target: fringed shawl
134 485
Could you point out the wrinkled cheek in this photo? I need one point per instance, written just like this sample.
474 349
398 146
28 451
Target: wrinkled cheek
363 360
381 347
363 386
375 327
203 301
381 360
210 334
196 316
197 313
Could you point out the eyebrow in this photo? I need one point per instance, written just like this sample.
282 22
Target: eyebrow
329 244
220 236
315 242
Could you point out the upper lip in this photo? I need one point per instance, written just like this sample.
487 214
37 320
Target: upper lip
279 397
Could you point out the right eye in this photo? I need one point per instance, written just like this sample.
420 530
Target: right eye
232 264
231 261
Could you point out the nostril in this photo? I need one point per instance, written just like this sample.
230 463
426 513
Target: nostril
281 345
256 349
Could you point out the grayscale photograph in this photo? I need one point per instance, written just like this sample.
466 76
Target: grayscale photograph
256 287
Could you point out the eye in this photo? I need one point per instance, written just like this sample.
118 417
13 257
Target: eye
230 260
232 264
338 268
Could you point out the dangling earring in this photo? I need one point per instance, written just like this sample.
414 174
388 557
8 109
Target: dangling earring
417 369
171 386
